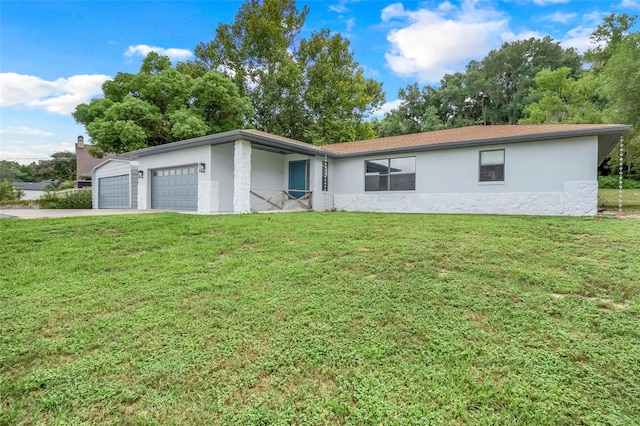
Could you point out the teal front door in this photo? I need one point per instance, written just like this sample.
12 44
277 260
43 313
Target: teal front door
298 178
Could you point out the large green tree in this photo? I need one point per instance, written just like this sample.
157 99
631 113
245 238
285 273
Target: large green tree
16 172
495 90
161 104
509 73
565 99
61 167
621 76
311 90
607 37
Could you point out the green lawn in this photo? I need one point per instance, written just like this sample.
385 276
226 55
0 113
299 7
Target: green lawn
320 318
608 198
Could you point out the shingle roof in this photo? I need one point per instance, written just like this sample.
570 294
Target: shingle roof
474 135
465 136
85 162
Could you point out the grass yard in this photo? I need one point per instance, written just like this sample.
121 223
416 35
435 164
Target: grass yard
608 198
320 318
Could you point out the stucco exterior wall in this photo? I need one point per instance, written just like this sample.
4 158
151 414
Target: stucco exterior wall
268 178
222 178
200 154
111 168
554 177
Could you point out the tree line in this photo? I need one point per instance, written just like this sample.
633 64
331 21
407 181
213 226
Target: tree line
536 81
258 72
61 166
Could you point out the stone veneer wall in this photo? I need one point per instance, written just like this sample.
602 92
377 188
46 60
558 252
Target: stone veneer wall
578 199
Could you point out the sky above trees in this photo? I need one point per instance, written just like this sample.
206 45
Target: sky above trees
56 55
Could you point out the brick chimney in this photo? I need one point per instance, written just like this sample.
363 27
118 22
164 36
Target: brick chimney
80 143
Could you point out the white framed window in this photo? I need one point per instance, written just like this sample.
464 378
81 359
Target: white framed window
492 166
390 174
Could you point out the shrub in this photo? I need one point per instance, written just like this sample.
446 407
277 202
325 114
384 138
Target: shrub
72 200
612 182
7 193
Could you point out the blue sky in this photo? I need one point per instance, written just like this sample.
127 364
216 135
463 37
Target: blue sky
55 55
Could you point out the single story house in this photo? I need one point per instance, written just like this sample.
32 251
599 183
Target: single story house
507 169
33 190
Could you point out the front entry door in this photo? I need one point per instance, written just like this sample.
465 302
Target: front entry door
298 173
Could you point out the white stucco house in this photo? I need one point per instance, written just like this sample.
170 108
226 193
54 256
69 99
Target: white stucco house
510 169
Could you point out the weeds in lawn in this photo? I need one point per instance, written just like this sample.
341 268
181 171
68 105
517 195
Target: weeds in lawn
320 319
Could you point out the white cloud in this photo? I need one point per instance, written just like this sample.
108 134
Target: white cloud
630 4
173 53
509 36
340 7
26 151
578 38
560 17
388 106
351 24
430 43
59 96
547 2
23 130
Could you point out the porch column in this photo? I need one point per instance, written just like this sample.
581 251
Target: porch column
242 177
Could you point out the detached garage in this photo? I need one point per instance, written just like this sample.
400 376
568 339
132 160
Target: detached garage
115 185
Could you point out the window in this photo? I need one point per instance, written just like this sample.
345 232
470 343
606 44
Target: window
390 174
492 166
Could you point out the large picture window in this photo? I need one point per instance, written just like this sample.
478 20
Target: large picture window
492 166
390 174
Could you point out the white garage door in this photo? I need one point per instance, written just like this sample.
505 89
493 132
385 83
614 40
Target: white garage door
113 192
175 188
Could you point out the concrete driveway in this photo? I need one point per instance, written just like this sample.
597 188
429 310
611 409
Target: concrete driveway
54 213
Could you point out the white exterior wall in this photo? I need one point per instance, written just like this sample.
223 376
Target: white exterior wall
557 177
114 167
222 178
268 178
200 154
32 194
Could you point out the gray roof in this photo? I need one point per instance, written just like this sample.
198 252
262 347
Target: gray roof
32 186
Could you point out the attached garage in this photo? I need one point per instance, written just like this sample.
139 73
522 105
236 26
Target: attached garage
114 192
115 184
175 188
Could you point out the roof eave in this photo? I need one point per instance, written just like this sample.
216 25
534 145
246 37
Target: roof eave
222 138
620 130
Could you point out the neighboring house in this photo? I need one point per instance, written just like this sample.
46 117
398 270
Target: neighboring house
511 169
33 190
85 163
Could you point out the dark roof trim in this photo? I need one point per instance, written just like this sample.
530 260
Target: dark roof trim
277 144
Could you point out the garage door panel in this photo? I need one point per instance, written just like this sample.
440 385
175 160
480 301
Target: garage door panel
175 188
113 192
